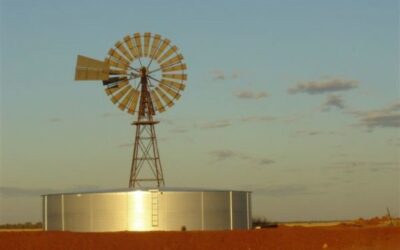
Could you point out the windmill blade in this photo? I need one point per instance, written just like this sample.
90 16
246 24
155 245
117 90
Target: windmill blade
167 54
121 48
134 51
134 101
115 64
122 105
157 101
138 43
120 93
114 55
175 76
165 98
174 60
172 84
178 67
147 37
111 90
118 72
91 69
161 49
115 79
174 94
155 45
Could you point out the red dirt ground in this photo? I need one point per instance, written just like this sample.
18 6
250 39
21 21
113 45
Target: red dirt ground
351 235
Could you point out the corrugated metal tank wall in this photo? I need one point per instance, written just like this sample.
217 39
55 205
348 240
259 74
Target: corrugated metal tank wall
148 210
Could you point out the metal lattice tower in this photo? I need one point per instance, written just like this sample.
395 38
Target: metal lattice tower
145 150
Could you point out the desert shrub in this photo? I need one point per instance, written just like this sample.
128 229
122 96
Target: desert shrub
263 223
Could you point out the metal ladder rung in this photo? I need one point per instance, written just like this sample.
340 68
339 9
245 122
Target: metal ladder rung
154 209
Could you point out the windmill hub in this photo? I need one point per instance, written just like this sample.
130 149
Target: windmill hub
133 74
143 72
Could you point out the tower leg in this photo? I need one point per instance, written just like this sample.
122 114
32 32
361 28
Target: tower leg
146 167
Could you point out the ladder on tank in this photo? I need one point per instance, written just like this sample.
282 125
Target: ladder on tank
154 208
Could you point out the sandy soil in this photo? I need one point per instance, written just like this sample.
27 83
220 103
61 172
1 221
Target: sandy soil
358 235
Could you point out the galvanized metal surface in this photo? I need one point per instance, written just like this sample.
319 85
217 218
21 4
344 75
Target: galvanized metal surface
147 210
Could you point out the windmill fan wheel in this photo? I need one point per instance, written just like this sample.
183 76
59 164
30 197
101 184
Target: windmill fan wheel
134 57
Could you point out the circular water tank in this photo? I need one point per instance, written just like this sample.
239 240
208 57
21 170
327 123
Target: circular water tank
147 210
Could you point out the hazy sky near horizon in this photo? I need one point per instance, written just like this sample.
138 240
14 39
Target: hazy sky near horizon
297 101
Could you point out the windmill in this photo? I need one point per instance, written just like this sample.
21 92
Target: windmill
143 75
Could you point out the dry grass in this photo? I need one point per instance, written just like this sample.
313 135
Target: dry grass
313 224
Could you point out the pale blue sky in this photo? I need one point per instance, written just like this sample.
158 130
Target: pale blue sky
327 149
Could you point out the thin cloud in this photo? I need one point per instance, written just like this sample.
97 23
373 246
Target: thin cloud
215 124
333 101
323 86
311 132
266 162
387 117
218 75
223 123
308 132
250 94
373 166
255 118
381 120
235 74
227 154
221 155
178 130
